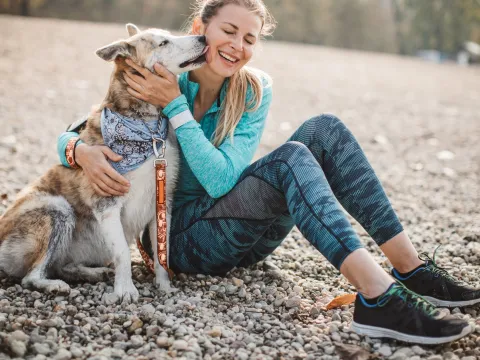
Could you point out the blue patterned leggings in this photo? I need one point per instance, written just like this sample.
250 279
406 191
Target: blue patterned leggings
297 184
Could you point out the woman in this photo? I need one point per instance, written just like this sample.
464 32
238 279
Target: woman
228 213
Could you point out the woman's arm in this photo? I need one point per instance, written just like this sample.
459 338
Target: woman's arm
93 160
218 169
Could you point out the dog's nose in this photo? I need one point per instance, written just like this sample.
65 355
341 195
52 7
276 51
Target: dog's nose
202 39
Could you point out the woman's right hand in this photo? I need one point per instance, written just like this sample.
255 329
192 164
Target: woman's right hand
103 177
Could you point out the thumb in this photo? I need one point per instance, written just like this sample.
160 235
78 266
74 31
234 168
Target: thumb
110 154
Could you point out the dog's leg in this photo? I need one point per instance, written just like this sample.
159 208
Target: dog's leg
114 237
162 282
60 215
80 273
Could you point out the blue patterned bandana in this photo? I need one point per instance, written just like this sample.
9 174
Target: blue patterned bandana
131 138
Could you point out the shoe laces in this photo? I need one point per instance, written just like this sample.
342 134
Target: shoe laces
412 299
432 266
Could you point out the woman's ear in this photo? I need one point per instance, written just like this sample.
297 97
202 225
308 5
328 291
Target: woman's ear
197 27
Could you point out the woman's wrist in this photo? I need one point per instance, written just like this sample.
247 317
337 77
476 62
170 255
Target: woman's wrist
79 152
176 106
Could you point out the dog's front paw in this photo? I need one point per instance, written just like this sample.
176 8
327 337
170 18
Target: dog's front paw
125 294
163 285
58 287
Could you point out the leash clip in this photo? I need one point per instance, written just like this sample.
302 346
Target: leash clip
155 140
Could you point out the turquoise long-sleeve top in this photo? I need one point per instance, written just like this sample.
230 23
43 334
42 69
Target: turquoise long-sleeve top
203 167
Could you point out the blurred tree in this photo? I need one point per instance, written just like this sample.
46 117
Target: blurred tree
442 25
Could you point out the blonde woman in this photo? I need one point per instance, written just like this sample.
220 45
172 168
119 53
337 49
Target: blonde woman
228 213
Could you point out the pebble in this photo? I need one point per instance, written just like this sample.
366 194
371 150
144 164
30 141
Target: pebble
18 348
180 345
162 342
136 341
385 350
63 354
293 302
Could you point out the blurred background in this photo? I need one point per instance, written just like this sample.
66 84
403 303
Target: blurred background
437 30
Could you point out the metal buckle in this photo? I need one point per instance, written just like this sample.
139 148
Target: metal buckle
155 150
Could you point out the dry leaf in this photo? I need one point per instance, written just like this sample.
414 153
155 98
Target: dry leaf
341 300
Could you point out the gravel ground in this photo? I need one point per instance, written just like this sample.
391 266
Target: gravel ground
419 124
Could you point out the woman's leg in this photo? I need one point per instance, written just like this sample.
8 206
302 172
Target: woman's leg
212 236
356 186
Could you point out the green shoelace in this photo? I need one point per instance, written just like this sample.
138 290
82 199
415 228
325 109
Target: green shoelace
434 268
409 297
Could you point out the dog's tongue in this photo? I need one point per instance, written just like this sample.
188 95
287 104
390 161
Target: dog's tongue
205 50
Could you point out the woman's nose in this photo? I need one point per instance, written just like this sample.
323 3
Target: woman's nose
237 44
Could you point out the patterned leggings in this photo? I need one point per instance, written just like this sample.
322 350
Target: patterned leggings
297 184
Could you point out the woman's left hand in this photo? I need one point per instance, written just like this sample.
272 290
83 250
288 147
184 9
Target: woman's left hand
157 89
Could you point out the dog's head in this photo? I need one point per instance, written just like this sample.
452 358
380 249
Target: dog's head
177 53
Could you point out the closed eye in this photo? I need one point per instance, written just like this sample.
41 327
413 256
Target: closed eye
163 43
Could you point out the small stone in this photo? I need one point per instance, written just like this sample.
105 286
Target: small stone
18 348
418 350
19 335
152 330
38 304
63 354
148 309
298 290
293 302
435 357
76 352
180 345
237 282
162 341
215 332
136 324
41 349
385 350
238 318
242 293
136 341
71 310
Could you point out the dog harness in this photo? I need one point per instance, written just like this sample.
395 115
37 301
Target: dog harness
136 141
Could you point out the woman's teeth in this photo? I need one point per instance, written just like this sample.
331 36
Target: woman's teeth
227 57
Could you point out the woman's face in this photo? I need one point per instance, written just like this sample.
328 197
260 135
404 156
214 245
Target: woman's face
232 35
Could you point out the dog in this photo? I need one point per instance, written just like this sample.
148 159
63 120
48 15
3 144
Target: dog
59 229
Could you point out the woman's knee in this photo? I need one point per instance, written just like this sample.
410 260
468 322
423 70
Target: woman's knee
292 150
324 122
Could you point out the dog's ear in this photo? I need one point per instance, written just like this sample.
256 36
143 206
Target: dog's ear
117 48
132 29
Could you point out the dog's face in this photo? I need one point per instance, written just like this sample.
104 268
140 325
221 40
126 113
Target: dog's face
177 53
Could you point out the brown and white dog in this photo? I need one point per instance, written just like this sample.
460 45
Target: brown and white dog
59 228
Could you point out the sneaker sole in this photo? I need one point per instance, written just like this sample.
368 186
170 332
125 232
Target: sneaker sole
378 332
445 303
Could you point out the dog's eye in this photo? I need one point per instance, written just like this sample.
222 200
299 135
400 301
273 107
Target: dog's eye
163 43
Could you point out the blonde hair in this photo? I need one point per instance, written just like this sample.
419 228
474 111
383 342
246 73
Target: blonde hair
235 102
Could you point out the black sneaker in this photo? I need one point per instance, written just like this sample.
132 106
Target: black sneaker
401 314
437 285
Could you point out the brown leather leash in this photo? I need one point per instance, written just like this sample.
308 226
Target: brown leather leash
160 164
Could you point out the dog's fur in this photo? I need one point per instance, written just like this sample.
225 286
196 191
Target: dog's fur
59 228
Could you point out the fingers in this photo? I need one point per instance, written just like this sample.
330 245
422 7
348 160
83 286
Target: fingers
111 186
136 94
110 154
134 78
123 184
134 85
163 72
140 69
99 191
